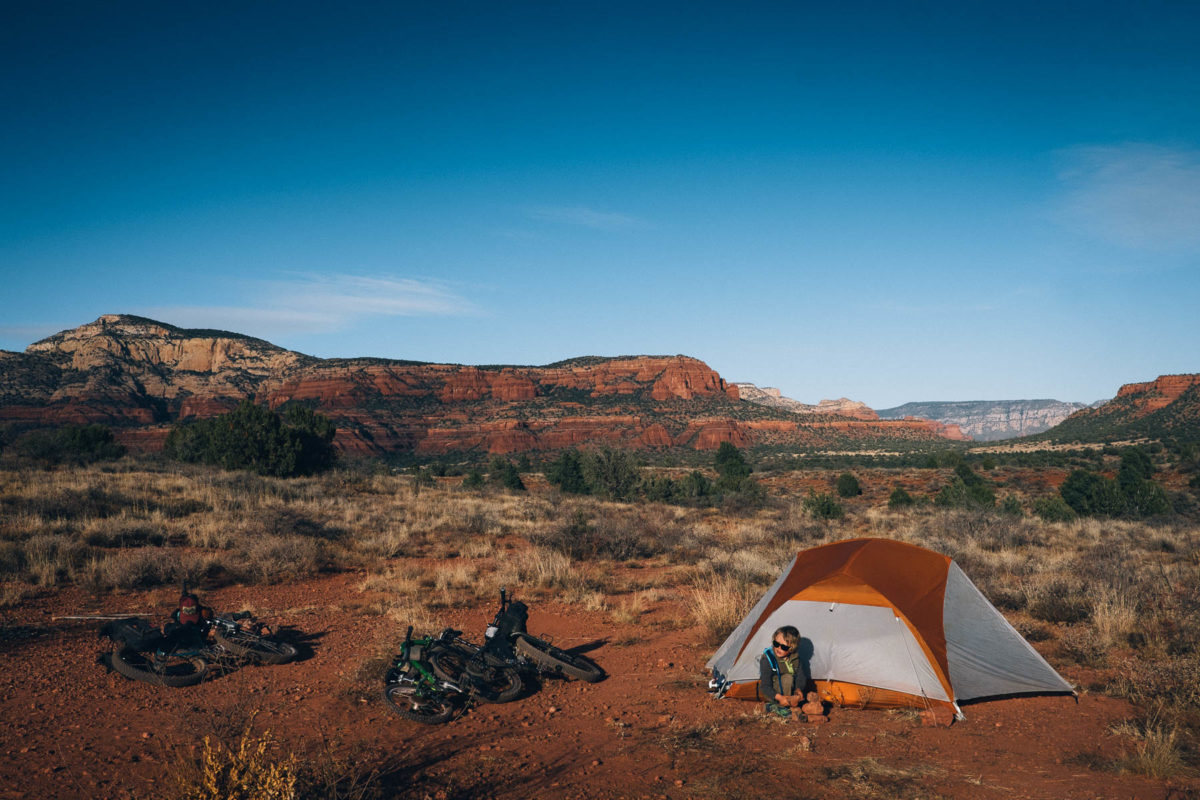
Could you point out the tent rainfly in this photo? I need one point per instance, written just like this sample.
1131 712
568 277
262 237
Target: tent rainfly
886 624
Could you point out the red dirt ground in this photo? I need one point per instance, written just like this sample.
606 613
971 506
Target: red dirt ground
70 729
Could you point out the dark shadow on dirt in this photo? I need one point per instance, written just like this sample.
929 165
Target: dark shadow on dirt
306 643
586 647
12 636
418 777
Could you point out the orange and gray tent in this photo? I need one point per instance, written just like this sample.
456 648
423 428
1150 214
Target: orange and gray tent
886 624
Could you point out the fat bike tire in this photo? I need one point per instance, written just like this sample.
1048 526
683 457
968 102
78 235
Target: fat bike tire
256 648
555 660
411 702
173 670
496 683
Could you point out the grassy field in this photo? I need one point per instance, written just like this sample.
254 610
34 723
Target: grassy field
1116 601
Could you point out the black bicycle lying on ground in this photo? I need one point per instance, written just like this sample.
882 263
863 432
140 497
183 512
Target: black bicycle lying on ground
508 643
185 655
415 692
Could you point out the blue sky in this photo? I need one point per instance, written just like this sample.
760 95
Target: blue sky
890 202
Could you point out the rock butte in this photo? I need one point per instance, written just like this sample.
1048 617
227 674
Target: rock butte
141 376
1159 393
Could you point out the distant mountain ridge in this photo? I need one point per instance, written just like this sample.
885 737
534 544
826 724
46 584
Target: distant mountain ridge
773 398
990 420
770 396
141 376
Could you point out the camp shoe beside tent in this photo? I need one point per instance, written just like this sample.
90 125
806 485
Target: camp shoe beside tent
886 625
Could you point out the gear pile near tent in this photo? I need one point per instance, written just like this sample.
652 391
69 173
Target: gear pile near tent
886 624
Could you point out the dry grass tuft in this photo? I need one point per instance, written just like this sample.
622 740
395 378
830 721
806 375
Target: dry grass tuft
718 603
1157 747
870 779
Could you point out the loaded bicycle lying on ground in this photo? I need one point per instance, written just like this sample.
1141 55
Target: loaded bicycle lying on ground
413 691
506 641
184 650
435 677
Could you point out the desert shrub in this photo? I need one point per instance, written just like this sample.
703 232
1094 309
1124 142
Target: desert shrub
1011 506
51 558
566 472
967 490
1082 647
543 567
272 558
900 498
1158 746
12 559
1146 499
125 534
696 486
73 444
422 477
823 506
797 526
1003 596
1059 601
315 433
1090 494
1114 617
869 778
473 480
503 473
1053 509
1172 680
143 567
693 489
252 437
60 502
283 520
611 474
1136 466
749 494
731 466
660 489
718 603
581 539
1033 632
250 769
847 485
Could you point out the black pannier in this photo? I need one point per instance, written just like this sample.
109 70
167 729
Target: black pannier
512 620
133 632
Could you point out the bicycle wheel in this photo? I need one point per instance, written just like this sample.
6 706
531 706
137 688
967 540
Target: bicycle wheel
448 662
495 683
255 647
169 670
417 703
555 660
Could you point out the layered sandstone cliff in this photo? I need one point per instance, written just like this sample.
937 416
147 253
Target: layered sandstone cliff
1158 393
1165 408
141 376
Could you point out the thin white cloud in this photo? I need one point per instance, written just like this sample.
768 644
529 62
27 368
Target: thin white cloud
1140 196
358 295
312 303
585 217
